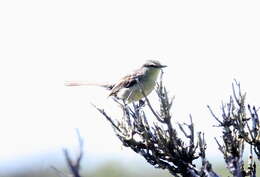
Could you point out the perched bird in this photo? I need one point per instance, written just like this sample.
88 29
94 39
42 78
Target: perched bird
131 87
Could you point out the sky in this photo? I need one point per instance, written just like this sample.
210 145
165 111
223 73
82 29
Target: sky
206 45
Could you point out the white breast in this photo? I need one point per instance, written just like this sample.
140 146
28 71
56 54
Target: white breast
134 93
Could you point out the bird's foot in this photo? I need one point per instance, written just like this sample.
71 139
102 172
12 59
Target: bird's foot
141 103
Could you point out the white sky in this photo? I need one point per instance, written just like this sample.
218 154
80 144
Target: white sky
206 44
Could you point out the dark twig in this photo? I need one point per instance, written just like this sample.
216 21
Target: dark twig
59 173
107 117
236 131
74 166
206 169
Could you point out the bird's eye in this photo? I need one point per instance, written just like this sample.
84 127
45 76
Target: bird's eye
149 65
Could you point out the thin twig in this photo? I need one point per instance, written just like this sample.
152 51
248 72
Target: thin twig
75 166
59 173
107 117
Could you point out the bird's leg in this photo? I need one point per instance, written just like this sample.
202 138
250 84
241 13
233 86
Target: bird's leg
141 103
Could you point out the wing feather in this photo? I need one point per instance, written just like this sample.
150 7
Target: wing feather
126 82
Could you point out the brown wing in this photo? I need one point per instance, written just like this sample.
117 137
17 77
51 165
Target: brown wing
126 82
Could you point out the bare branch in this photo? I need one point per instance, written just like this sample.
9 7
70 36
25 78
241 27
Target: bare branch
59 173
206 168
159 142
74 166
236 131
107 117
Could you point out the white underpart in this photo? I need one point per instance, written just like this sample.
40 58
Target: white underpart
134 93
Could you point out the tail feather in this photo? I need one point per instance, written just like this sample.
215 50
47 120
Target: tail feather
83 83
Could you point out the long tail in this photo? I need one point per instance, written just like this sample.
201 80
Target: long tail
83 83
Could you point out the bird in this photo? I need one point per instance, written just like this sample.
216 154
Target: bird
132 87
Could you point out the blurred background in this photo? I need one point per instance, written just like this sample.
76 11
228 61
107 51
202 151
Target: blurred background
206 44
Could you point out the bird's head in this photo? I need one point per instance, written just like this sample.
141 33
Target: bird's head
153 64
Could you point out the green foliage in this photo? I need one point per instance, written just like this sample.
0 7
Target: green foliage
109 169
112 169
